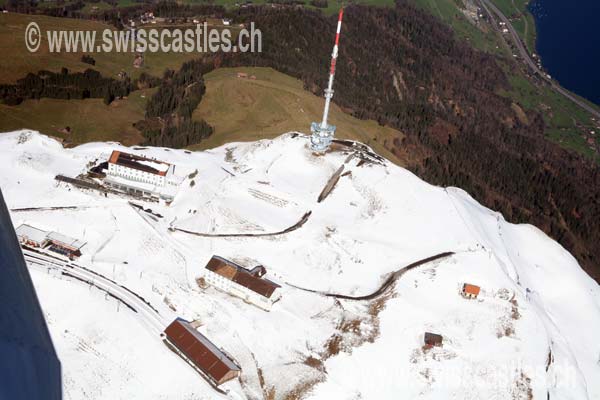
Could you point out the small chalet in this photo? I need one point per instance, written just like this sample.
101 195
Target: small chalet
64 245
31 236
469 291
432 339
195 348
49 241
236 280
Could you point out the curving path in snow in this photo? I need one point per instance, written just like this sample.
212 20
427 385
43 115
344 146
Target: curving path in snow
289 229
393 277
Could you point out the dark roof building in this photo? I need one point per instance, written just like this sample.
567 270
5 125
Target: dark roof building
212 362
73 245
432 339
140 163
252 280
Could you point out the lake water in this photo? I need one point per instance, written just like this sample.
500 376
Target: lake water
568 42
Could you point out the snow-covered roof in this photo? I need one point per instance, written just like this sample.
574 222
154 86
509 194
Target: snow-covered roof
65 240
31 233
159 166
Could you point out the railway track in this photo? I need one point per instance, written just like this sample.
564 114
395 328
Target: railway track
148 315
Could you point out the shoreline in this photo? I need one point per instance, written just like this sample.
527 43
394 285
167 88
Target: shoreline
578 81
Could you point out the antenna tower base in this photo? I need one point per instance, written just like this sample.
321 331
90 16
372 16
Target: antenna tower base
321 138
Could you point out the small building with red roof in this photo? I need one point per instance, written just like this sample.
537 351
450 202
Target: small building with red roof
469 291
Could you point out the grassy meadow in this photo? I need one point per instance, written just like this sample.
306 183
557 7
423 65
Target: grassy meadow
18 61
90 119
244 109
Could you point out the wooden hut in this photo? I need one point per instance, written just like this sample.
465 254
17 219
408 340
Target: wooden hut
432 339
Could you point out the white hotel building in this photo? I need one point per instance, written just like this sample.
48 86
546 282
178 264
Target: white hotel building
142 176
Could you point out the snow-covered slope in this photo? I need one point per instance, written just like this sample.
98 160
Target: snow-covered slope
531 334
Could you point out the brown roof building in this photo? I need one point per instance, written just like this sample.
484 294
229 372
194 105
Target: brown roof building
212 362
470 291
139 163
141 176
432 339
237 280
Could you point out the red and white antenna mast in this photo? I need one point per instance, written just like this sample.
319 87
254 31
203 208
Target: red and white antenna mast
322 133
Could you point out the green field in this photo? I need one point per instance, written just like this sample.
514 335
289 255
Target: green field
240 109
17 61
91 8
243 109
333 6
563 117
521 18
90 120
480 37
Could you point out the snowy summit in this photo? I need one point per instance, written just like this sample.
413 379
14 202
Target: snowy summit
385 286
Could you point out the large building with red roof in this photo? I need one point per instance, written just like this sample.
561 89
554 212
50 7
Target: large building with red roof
141 176
213 363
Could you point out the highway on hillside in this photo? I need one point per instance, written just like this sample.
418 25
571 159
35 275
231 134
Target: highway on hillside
487 5
147 314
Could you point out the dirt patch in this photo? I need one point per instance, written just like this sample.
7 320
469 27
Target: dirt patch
358 326
522 388
505 325
300 391
268 393
522 117
514 313
315 363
